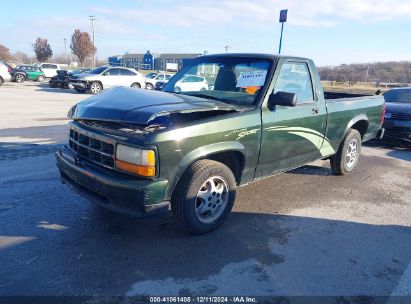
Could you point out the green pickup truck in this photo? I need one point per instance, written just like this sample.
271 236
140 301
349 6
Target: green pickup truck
221 122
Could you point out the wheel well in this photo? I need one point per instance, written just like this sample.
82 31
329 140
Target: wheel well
361 126
232 159
98 81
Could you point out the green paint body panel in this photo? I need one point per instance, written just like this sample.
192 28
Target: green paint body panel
270 141
32 75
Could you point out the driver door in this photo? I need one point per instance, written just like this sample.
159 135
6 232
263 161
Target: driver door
292 136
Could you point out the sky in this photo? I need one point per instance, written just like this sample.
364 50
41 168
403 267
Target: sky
329 31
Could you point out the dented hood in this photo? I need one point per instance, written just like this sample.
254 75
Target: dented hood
134 106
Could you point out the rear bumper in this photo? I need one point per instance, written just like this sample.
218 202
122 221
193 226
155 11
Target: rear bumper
112 190
398 131
400 136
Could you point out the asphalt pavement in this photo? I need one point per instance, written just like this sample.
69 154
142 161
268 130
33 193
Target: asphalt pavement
305 232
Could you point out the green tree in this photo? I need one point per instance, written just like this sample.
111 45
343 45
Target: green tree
42 49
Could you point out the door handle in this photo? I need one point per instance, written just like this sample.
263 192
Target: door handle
316 111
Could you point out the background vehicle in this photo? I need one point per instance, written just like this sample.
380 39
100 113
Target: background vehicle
106 77
159 85
163 77
17 74
33 73
137 152
49 69
4 73
191 83
62 79
397 122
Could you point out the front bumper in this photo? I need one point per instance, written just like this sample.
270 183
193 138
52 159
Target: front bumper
79 85
112 190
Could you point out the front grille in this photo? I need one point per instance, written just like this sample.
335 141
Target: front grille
92 149
400 116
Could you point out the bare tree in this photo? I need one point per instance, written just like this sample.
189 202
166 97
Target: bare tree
42 49
21 57
82 46
4 53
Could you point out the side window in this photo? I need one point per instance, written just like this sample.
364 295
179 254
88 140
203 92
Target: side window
122 72
168 77
295 78
53 66
46 66
111 72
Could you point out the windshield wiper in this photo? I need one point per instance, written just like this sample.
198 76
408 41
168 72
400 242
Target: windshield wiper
205 96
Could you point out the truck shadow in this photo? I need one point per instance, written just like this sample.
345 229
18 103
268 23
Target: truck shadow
31 141
264 254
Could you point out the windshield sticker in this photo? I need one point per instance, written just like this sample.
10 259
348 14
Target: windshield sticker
251 79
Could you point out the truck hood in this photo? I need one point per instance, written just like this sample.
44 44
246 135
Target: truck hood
140 107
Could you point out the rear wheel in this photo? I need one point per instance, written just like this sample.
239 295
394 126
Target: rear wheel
19 78
346 158
136 85
1 81
95 87
41 78
177 89
204 196
149 86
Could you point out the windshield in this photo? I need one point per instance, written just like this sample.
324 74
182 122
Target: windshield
398 95
98 70
233 80
151 75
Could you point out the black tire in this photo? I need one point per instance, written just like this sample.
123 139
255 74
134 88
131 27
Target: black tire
177 90
136 85
19 78
1 81
41 78
149 86
342 163
185 201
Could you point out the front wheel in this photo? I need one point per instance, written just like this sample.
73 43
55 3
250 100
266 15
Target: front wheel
346 158
204 196
149 86
95 87
41 78
1 81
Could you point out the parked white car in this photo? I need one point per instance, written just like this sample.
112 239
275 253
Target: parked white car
151 82
4 73
50 69
106 77
191 83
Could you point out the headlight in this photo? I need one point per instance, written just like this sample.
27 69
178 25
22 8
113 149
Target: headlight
137 161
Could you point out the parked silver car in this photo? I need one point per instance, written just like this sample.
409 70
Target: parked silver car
106 77
4 73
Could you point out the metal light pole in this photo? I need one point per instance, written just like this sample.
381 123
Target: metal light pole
93 28
65 49
283 19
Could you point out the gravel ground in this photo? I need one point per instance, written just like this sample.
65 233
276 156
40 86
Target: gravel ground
305 232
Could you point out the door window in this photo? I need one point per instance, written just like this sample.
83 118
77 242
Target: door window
295 78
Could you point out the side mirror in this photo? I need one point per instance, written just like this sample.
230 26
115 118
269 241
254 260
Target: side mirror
282 99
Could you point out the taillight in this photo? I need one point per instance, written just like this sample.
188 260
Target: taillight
383 114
